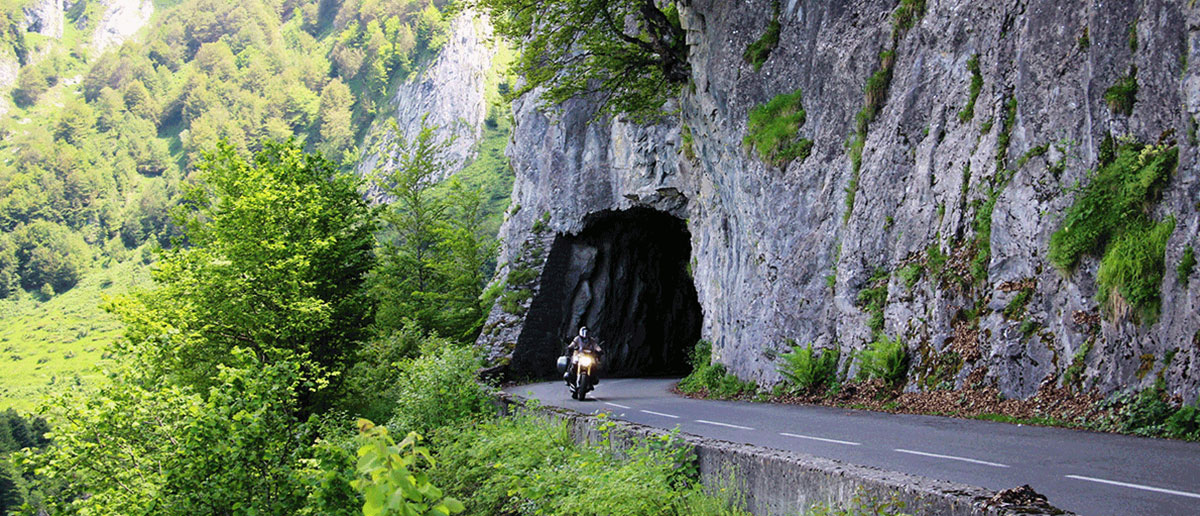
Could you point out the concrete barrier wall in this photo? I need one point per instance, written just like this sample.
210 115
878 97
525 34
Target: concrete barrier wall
780 483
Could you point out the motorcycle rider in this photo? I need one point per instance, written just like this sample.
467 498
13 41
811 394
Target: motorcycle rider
582 342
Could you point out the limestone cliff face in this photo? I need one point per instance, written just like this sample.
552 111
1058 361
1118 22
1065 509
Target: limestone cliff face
776 254
45 17
449 95
121 19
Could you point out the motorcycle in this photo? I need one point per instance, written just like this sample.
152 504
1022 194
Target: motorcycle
583 379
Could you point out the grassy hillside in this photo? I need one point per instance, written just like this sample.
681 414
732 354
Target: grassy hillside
58 343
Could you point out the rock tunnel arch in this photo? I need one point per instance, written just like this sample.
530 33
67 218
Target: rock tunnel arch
626 277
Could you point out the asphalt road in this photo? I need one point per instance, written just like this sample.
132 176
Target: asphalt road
1085 472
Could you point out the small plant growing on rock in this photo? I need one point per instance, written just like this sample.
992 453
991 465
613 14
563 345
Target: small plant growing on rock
873 299
807 370
758 52
1110 217
542 225
968 111
1121 95
688 143
774 128
711 379
1073 377
885 359
1186 264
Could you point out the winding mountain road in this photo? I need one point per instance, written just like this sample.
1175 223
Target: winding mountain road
1085 472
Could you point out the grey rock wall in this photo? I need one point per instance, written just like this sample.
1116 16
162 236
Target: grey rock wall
449 95
775 259
45 17
121 19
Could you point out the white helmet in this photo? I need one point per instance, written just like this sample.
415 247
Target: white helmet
583 331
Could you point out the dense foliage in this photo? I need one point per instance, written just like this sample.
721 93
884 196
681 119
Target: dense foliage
630 54
527 465
244 337
709 378
90 168
281 245
18 432
433 255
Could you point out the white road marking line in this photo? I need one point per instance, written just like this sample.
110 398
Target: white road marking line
822 439
739 427
653 413
616 405
951 457
1136 486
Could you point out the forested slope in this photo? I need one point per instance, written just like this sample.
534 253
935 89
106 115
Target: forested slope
101 137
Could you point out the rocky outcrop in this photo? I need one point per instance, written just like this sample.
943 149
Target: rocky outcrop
45 17
120 21
448 95
776 255
9 68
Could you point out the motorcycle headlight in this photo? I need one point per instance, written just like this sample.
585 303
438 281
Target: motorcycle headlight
585 361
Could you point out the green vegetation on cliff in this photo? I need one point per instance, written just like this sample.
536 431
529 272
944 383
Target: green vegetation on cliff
773 130
1110 218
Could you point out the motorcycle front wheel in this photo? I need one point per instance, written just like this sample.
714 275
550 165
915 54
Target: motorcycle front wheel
581 386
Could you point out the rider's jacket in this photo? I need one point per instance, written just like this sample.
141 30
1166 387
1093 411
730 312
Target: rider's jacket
584 344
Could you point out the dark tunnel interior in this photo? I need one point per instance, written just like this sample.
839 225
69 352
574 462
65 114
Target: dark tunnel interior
625 277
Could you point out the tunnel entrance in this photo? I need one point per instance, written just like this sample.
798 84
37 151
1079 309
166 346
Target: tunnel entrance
625 277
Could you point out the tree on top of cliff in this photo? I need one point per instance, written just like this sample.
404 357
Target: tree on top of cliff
631 53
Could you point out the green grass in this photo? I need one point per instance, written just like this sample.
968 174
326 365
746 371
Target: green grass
1016 308
1110 218
968 111
1186 264
1122 94
51 345
1132 269
774 128
758 52
873 299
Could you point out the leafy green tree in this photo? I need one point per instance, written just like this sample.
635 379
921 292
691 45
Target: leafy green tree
279 248
407 277
141 444
433 252
632 54
49 254
8 266
110 110
31 84
468 249
77 123
337 131
140 102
